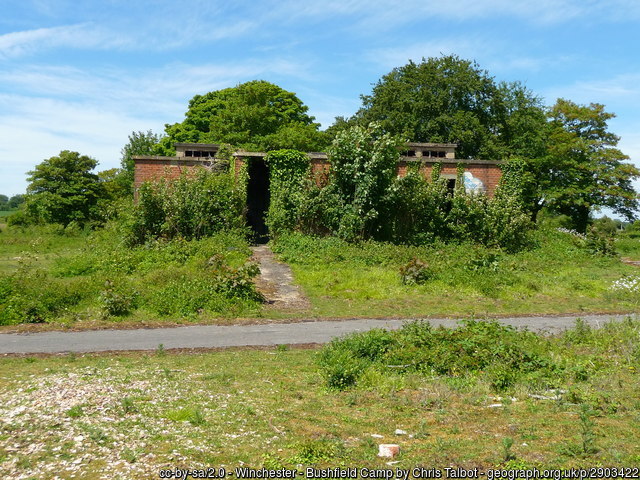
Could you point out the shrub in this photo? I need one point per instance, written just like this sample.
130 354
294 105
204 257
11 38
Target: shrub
34 297
415 272
117 301
235 282
289 171
216 289
600 240
345 359
500 352
192 207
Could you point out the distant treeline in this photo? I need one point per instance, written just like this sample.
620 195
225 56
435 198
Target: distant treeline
11 203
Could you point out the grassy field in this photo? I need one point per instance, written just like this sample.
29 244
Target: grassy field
128 416
558 276
59 278
56 277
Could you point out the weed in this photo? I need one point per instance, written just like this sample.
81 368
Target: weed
415 272
96 434
117 301
500 352
314 451
160 351
507 453
587 433
127 405
192 415
75 412
131 455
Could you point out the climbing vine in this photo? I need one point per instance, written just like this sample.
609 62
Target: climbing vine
289 175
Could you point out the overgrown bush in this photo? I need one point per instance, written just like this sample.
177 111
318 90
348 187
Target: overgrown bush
345 359
364 199
500 352
117 301
600 240
289 172
192 206
54 275
35 297
415 272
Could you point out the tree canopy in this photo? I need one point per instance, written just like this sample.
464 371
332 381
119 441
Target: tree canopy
448 99
63 189
255 115
583 168
12 203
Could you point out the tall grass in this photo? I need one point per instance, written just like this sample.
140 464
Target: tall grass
52 274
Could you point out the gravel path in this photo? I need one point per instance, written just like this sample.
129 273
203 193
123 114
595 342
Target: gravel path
213 336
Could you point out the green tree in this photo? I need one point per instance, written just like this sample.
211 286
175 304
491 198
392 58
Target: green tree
63 189
14 202
140 143
583 169
255 115
3 202
448 99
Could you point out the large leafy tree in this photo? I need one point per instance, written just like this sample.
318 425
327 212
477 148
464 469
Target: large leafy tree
63 189
255 115
448 99
583 168
15 201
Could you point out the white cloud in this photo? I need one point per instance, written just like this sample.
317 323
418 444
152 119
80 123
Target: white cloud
374 15
618 93
392 57
93 112
71 36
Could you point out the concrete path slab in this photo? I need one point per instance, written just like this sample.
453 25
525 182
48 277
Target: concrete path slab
275 282
212 336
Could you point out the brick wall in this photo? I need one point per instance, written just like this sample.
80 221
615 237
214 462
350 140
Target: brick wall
156 168
150 169
488 172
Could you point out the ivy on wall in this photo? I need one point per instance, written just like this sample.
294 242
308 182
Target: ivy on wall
289 175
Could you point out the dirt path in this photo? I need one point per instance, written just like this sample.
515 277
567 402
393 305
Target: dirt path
276 282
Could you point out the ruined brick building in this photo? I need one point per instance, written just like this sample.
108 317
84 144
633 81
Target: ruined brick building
479 175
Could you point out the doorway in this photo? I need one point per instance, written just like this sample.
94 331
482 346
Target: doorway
258 199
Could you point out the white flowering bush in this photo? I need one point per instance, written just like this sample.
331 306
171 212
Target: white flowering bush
572 232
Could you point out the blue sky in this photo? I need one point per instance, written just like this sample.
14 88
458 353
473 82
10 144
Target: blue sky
82 75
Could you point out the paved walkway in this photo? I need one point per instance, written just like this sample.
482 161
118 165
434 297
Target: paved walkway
275 282
211 336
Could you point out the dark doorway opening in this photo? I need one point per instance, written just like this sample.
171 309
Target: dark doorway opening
451 186
258 199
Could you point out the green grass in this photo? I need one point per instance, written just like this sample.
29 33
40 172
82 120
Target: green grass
272 408
557 276
55 276
6 213
628 245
